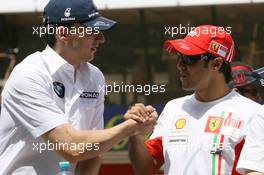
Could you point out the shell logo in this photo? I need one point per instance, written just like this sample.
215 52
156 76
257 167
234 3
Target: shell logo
180 123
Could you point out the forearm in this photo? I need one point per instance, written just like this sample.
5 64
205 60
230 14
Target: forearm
106 138
98 141
140 157
88 167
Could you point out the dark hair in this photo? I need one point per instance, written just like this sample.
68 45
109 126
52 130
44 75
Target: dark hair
227 71
225 68
49 37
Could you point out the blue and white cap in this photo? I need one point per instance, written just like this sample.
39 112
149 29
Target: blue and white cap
76 11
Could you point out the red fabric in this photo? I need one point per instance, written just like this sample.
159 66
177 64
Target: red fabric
242 67
116 169
155 148
204 39
119 169
238 149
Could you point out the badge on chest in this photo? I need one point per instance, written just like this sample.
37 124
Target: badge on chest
228 126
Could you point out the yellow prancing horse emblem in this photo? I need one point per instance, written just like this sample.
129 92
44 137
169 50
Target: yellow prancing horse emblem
214 46
214 124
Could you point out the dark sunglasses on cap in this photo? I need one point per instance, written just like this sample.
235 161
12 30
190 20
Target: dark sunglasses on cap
192 59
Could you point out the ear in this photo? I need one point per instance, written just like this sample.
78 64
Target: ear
217 63
62 33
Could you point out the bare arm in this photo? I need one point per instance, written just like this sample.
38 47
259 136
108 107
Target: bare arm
101 140
142 161
88 167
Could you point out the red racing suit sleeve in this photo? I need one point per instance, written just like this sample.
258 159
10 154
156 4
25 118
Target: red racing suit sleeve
155 148
238 149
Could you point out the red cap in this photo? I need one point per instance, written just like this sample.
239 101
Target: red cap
204 39
242 75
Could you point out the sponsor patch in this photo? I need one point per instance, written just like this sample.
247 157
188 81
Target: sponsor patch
89 95
180 124
234 123
59 89
68 19
214 46
101 23
67 12
218 49
183 45
178 140
232 127
218 151
93 14
222 51
214 124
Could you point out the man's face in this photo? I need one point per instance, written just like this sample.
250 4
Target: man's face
85 44
194 75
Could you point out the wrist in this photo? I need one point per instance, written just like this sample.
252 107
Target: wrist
138 137
131 127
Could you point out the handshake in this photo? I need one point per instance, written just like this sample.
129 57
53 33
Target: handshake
142 118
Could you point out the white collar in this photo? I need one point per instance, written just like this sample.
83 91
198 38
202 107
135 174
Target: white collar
53 60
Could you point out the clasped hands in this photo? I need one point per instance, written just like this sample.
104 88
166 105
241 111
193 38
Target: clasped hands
144 118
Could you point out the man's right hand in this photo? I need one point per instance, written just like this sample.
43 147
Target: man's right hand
144 117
